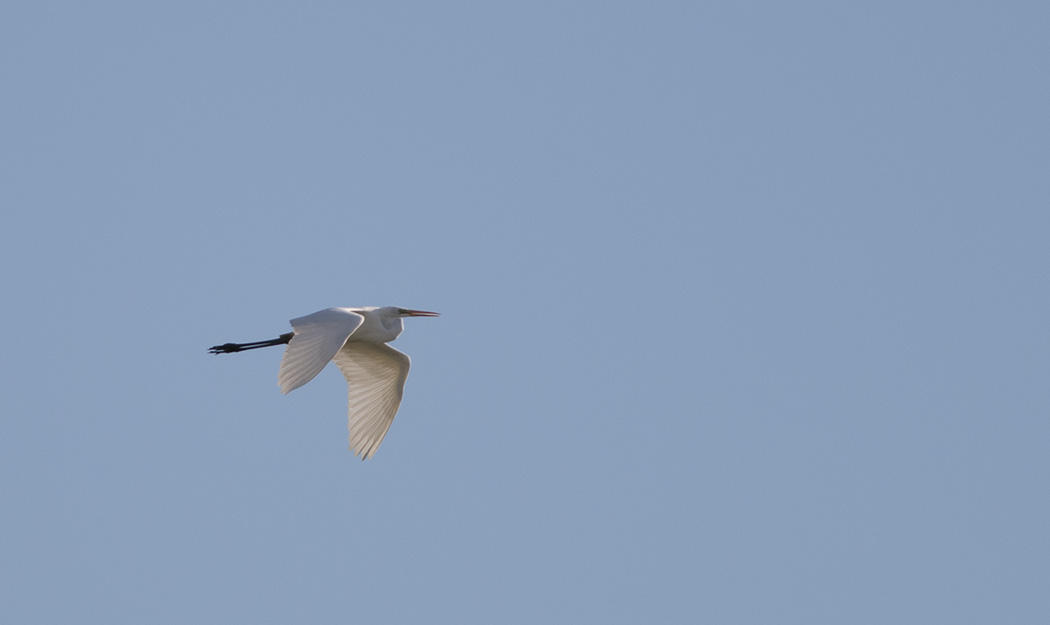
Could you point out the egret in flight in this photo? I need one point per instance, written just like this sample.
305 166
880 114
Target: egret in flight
356 339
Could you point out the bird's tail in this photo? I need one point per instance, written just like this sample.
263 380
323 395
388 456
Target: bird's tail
229 348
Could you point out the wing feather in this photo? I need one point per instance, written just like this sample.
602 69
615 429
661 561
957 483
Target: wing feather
375 376
318 337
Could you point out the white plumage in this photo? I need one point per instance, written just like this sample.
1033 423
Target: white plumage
356 340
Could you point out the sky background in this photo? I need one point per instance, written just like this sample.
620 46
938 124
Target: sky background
744 311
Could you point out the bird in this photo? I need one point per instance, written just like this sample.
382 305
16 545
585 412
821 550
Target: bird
356 340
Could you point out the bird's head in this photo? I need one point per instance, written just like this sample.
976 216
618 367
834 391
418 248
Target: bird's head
390 317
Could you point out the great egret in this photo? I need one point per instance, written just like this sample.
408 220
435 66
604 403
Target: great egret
356 339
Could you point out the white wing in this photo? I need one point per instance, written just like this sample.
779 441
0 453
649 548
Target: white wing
376 374
317 339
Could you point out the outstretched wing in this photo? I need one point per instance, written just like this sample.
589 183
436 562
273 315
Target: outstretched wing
317 339
375 374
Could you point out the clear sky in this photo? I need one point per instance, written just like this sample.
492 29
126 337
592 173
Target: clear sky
745 311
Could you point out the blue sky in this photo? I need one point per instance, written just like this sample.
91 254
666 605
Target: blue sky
744 311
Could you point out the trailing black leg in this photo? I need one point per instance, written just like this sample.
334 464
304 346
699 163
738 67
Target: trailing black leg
229 348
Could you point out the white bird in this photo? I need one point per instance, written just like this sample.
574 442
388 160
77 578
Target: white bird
356 339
